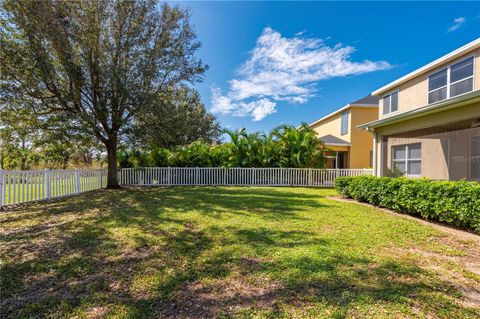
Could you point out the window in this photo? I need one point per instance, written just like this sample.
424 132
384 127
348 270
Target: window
408 158
452 81
344 128
390 103
475 157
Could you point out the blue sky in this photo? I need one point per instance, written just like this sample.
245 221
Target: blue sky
286 62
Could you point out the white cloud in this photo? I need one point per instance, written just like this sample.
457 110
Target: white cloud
257 109
286 69
457 23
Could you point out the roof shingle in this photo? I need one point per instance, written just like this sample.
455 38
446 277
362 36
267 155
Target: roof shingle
369 99
333 140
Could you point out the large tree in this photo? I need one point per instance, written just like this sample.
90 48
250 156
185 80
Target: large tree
98 62
176 117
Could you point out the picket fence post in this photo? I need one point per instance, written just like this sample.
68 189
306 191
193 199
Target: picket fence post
47 194
169 176
3 188
77 181
100 178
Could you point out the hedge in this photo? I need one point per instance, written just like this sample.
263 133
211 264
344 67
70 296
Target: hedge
454 203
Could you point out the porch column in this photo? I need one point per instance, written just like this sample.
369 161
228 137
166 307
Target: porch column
374 155
380 167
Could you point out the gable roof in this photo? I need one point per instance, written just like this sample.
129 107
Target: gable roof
367 101
333 140
430 66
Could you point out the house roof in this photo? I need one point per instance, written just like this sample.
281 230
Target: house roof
334 141
367 101
448 104
430 66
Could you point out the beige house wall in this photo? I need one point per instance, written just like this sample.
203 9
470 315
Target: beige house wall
444 155
332 126
451 116
413 94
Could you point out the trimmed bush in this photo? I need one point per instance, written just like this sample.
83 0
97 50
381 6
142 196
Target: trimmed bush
454 203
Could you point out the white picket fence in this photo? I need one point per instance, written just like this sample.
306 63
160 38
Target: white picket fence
18 187
176 176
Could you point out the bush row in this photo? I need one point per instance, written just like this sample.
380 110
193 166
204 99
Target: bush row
454 203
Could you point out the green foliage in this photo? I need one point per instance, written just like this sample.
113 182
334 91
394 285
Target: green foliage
285 146
394 172
175 117
455 203
96 63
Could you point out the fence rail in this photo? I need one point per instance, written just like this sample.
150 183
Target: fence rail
170 176
18 187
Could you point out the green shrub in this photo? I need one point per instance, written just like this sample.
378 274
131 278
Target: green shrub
454 203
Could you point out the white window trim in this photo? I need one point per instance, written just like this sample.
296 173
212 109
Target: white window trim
406 159
448 68
390 98
471 157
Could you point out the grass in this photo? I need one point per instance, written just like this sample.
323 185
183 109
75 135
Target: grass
225 252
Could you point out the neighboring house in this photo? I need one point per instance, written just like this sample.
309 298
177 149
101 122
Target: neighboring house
429 120
349 146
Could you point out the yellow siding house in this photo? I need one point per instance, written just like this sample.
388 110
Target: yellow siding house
349 146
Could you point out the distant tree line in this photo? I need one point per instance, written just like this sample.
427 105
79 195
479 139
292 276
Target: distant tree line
285 146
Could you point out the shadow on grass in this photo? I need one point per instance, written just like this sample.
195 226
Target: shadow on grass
122 253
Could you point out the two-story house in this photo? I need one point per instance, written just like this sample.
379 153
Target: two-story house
429 119
349 146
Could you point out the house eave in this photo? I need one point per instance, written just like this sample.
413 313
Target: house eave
340 110
452 103
338 144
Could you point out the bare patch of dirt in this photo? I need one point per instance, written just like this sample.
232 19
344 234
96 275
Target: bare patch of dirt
452 268
451 257
200 300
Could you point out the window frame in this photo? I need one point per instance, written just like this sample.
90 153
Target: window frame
449 84
344 113
389 95
471 157
407 159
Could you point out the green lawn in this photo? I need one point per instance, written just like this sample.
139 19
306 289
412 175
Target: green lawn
229 252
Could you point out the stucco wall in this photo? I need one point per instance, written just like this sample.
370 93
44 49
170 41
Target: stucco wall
414 93
332 126
444 155
361 140
458 114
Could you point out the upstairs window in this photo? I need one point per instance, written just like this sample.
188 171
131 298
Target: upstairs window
452 81
408 158
390 103
344 128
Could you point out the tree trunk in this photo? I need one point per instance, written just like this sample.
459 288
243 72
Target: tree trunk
112 176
